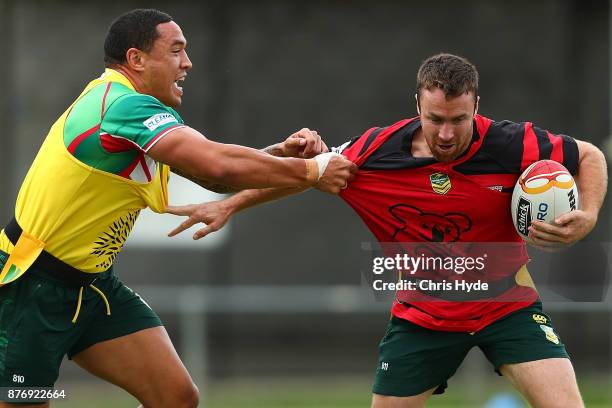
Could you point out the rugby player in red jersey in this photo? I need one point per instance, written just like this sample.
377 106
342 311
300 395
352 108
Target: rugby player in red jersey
447 176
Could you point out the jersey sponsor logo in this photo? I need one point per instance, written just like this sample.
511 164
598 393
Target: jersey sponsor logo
440 183
550 334
523 216
539 318
496 188
158 120
429 226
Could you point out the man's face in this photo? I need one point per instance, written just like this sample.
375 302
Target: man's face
165 65
446 123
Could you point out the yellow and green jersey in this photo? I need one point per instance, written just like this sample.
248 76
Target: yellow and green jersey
92 176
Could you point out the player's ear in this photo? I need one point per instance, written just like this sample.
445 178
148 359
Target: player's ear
135 59
476 106
416 97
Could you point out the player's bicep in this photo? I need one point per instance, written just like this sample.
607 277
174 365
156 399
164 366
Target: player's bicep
189 151
587 150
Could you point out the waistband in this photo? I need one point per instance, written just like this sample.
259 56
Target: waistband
52 266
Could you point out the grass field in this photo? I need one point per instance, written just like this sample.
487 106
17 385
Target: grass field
337 392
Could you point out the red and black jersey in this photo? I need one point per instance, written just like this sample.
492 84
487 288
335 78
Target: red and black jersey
406 199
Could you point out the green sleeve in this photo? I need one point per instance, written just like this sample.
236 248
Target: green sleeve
141 119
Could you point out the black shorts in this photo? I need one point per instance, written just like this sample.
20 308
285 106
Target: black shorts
414 359
37 329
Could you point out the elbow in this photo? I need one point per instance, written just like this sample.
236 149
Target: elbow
588 149
219 174
590 153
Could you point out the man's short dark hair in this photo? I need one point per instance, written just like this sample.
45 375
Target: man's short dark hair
452 74
134 29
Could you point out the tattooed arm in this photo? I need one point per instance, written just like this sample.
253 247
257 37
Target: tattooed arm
217 188
305 143
274 150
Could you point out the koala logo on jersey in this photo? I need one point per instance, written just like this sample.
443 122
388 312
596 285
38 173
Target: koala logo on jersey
429 226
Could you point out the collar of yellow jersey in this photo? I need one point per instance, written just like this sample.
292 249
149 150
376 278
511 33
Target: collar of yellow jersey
115 76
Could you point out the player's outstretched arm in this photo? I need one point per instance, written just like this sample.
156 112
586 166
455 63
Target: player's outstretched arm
241 167
304 143
215 214
592 181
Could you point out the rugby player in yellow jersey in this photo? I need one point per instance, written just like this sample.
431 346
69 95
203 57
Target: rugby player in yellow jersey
106 158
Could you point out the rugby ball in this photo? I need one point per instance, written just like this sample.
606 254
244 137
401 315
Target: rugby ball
543 192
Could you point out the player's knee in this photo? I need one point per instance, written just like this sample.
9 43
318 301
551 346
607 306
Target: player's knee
183 395
567 401
555 397
560 404
189 396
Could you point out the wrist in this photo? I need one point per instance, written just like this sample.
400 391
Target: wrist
321 162
312 171
592 214
232 204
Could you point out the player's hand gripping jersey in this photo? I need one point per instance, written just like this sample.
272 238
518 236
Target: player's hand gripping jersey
91 178
406 199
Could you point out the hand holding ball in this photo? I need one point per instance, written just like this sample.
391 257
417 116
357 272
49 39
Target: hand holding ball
543 192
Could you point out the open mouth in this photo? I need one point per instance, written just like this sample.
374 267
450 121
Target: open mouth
445 147
176 84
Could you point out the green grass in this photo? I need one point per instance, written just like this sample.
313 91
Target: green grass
313 392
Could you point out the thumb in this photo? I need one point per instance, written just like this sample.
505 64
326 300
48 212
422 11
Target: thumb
566 218
179 209
295 141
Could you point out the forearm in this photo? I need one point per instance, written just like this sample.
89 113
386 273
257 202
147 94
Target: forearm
250 198
591 178
274 150
244 167
235 166
217 188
